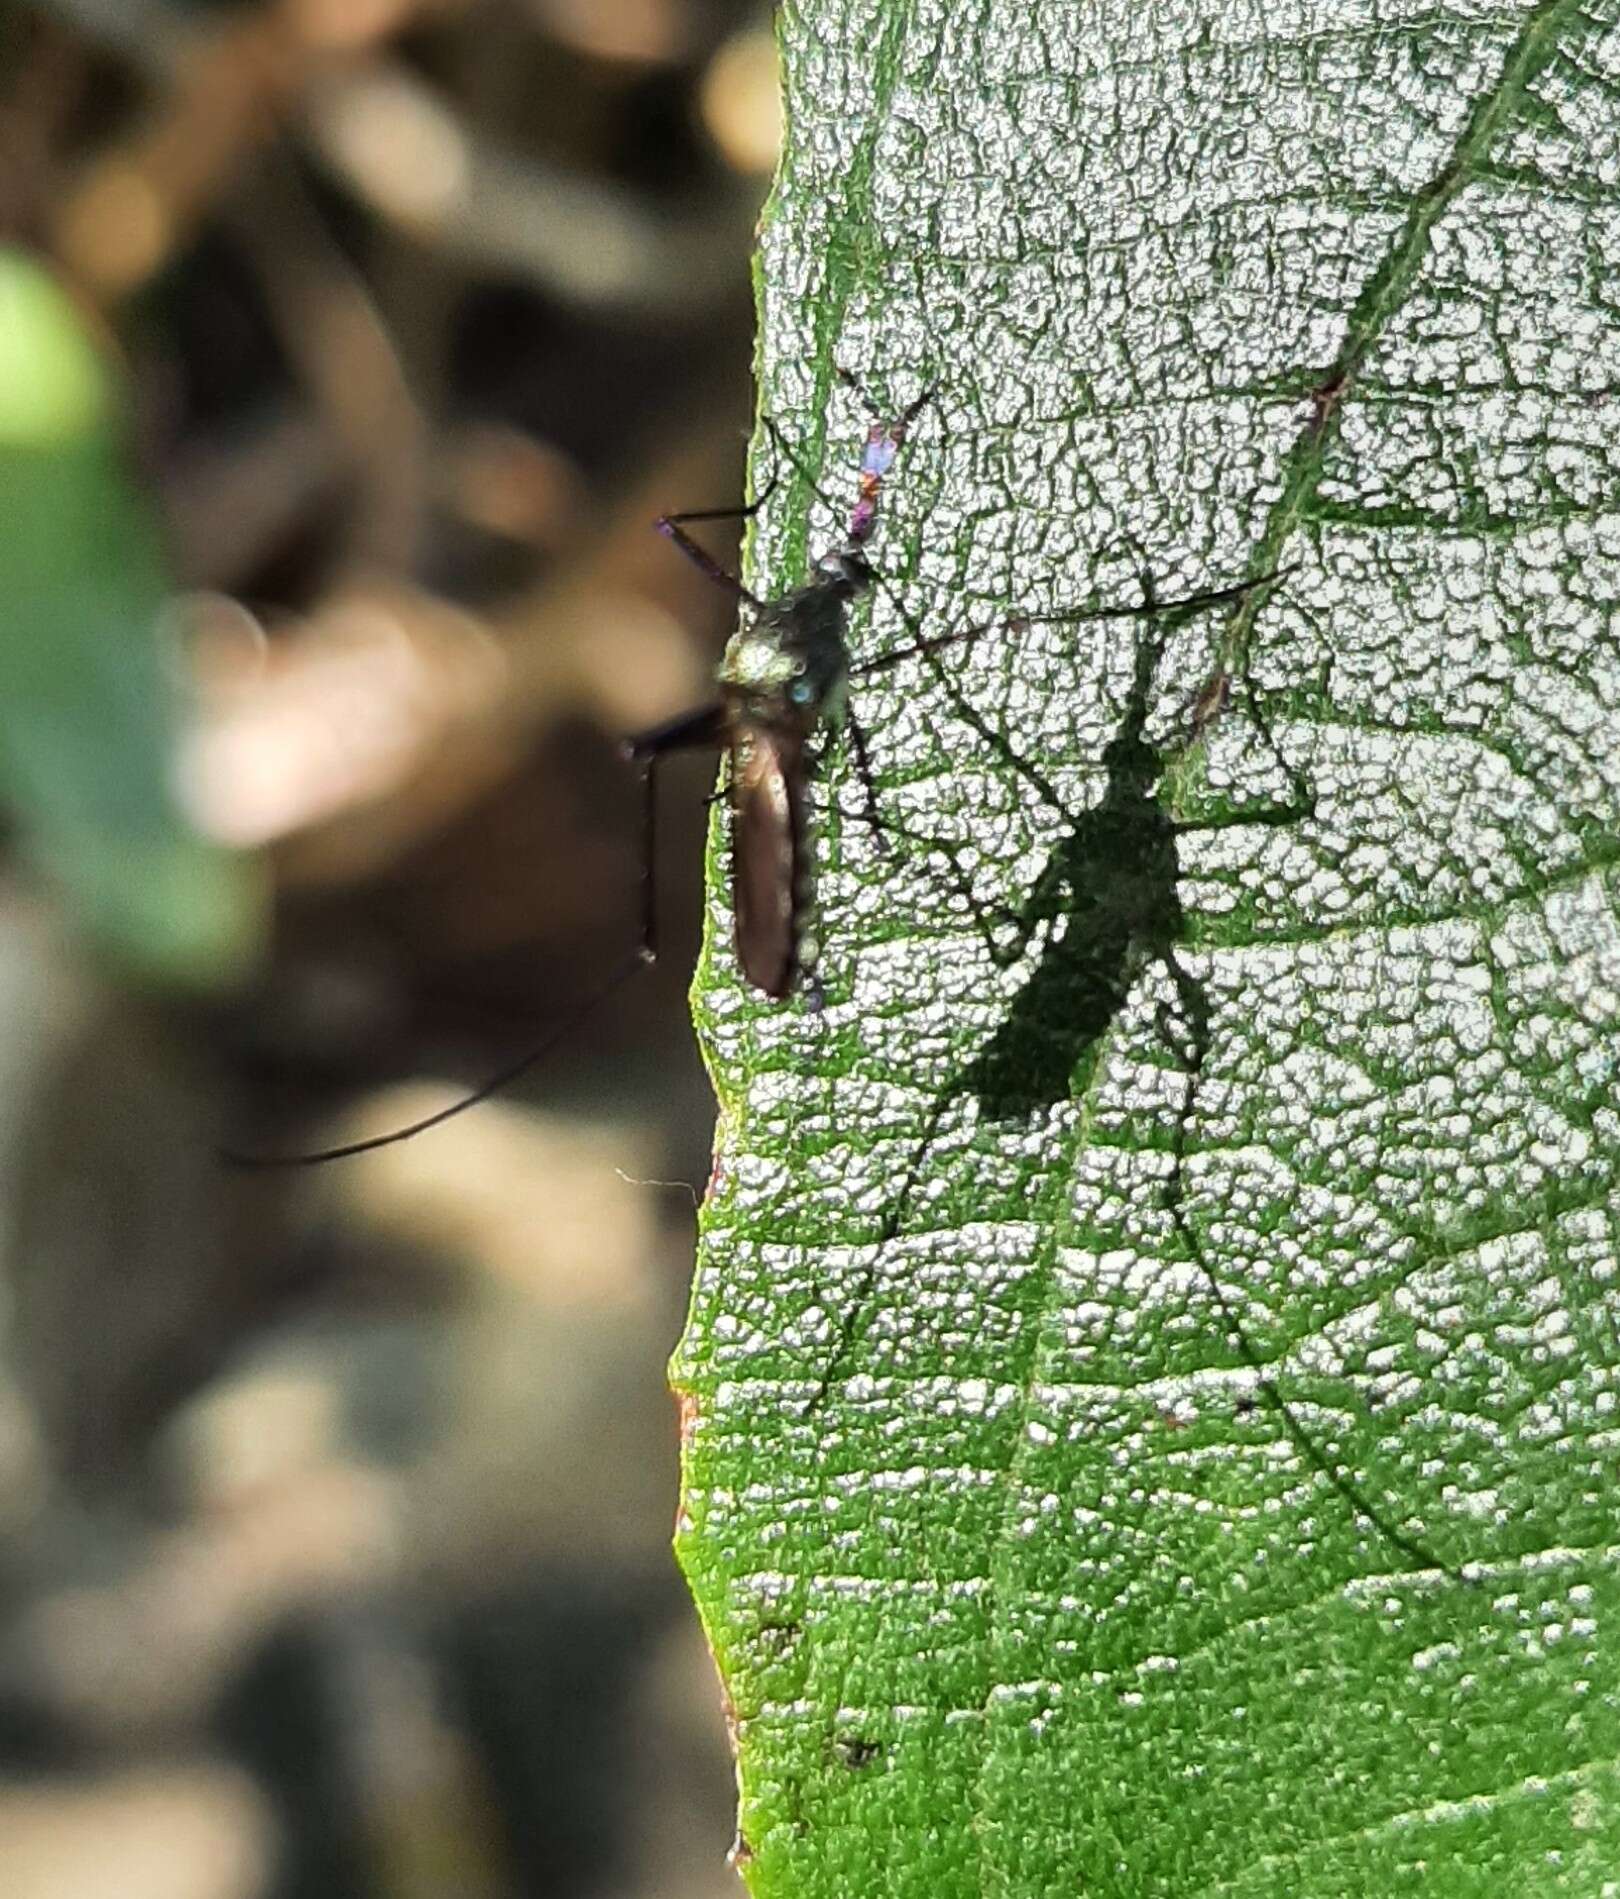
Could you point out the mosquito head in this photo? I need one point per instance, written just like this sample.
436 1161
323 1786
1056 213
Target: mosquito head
846 568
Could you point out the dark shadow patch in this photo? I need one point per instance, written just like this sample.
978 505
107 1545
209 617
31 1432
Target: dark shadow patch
855 1751
1109 891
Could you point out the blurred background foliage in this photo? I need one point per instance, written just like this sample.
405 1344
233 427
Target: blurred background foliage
347 349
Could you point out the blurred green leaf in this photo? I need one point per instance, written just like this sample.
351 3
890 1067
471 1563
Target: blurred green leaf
87 721
1021 1578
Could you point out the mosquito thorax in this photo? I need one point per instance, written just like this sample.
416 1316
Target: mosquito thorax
790 664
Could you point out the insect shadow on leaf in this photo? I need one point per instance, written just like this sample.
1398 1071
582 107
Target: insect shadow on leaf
1189 1038
1108 899
1109 894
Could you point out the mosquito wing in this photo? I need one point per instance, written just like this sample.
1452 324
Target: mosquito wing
770 870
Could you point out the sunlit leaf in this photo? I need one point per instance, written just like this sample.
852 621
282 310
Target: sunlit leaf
1151 1400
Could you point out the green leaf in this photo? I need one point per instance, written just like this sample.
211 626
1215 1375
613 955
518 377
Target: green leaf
87 720
1151 1406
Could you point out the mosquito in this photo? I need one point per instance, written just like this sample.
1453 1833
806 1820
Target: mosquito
782 685
783 681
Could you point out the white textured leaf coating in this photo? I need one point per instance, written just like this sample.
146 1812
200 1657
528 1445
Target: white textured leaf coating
1021 1580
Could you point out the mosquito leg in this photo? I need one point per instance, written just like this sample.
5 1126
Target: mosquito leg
851 381
705 726
673 527
929 647
1022 622
694 731
1294 810
790 455
883 441
925 647
1278 816
497 1083
644 953
670 526
852 1328
1021 923
697 730
986 916
1191 1048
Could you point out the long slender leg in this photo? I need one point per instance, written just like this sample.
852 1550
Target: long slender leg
851 381
1022 927
1022 922
686 732
673 527
882 445
1032 775
1191 1050
692 731
648 750
1278 816
790 455
881 829
697 730
928 647
1036 780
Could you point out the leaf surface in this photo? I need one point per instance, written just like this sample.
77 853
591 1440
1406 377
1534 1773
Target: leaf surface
1150 1378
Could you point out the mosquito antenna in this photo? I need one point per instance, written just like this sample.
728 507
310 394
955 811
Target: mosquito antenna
641 957
851 381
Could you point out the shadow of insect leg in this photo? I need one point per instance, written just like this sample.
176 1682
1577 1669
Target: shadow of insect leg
863 771
1190 1040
